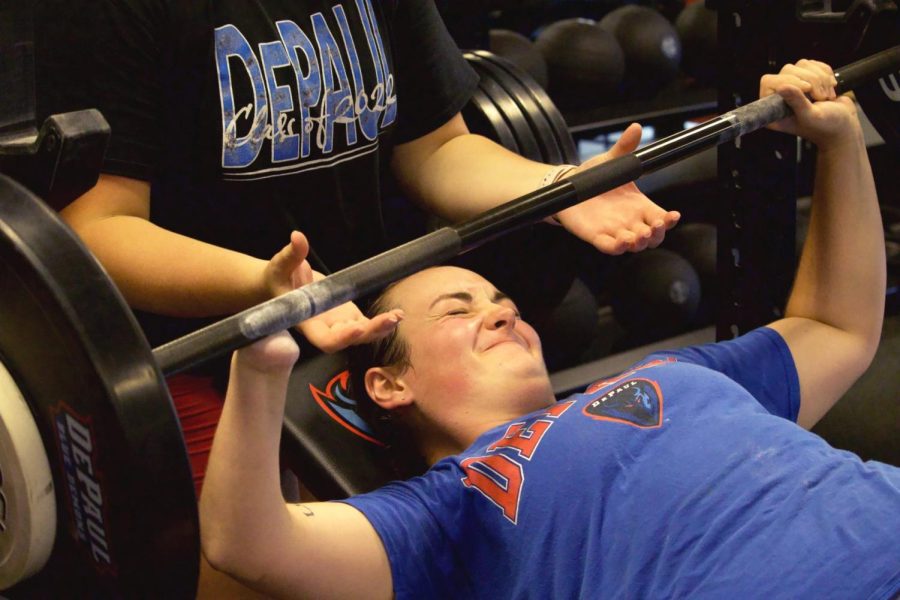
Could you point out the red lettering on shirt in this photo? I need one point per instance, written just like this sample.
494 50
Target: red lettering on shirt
500 477
524 440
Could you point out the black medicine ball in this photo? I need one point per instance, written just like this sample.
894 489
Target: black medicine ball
519 50
697 28
697 243
654 294
651 46
584 62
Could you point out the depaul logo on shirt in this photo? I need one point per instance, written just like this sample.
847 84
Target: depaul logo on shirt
326 90
638 402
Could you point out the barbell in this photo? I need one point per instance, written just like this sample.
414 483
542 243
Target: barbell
107 467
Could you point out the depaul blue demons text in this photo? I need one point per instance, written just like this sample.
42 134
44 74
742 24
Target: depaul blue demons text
299 114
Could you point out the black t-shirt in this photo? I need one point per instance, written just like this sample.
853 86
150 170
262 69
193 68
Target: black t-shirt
254 117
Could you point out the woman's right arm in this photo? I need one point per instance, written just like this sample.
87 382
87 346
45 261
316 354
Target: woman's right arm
315 550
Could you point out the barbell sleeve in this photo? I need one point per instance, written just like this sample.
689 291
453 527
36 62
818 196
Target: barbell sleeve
365 277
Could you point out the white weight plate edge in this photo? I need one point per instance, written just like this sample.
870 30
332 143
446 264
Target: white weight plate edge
27 498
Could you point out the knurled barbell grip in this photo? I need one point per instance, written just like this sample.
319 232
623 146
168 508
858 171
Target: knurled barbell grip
756 115
285 311
773 108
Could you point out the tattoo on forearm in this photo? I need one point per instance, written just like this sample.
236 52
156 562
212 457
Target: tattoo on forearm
305 509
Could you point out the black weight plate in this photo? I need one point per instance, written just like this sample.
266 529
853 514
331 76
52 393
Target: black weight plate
556 139
511 112
557 122
528 146
126 509
512 116
507 107
483 117
543 133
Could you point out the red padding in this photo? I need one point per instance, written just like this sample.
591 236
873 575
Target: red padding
199 407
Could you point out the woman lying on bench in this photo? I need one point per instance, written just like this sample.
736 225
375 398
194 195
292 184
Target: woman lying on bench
692 474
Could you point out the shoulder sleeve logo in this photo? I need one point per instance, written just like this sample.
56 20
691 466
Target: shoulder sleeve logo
636 402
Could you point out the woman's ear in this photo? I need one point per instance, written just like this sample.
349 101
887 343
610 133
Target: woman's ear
387 388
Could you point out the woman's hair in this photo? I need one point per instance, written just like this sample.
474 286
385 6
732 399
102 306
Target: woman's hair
390 351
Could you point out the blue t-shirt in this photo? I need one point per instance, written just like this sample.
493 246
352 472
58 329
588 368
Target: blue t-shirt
683 477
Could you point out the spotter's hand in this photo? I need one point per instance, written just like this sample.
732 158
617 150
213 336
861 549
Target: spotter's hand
337 328
623 219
